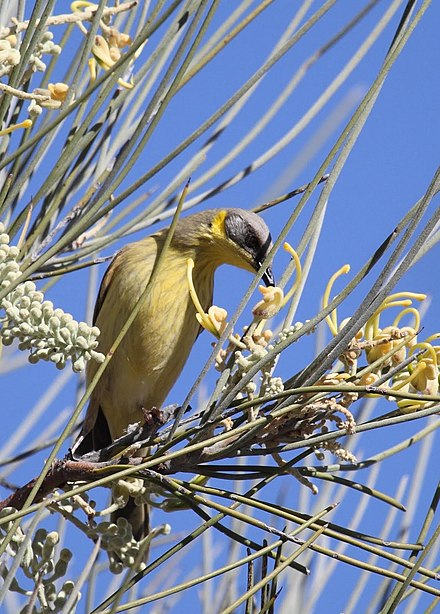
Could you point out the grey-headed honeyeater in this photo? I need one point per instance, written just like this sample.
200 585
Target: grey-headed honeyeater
154 350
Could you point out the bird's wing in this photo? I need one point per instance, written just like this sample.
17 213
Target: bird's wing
95 433
105 283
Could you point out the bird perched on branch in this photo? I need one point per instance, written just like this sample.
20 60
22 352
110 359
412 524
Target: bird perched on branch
154 350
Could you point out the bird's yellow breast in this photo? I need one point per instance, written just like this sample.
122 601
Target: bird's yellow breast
156 347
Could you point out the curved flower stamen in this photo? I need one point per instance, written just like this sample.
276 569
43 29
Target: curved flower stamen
412 310
372 329
332 318
398 299
417 296
27 123
215 320
298 269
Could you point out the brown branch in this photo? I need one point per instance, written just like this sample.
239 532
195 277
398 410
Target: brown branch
62 472
92 465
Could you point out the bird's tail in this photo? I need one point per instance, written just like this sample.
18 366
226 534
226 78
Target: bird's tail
95 435
137 515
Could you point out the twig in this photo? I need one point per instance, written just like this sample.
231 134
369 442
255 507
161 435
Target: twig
76 17
23 95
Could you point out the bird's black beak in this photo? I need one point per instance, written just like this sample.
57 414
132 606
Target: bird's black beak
268 278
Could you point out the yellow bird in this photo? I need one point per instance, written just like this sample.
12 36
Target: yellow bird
154 350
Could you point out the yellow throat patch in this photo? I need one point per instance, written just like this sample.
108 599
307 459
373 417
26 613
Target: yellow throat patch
218 224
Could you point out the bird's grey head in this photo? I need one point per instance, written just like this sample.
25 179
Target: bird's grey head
251 234
227 236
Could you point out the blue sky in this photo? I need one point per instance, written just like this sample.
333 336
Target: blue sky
389 168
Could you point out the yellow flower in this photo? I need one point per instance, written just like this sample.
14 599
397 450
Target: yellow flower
106 56
273 297
118 39
269 306
101 51
426 379
214 321
387 339
58 91
425 376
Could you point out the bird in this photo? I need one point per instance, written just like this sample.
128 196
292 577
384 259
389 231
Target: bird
155 348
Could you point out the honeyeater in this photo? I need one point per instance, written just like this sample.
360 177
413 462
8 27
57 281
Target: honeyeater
154 350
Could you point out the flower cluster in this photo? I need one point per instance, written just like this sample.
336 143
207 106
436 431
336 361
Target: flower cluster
10 54
310 414
49 334
42 564
123 550
107 47
249 349
50 98
385 349
118 541
255 348
45 46
133 487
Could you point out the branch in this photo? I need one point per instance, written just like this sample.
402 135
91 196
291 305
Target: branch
76 17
